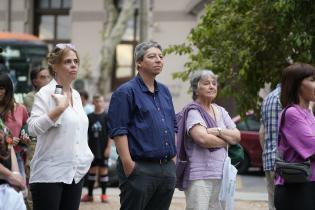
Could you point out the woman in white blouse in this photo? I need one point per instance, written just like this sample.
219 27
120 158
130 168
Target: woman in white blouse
62 156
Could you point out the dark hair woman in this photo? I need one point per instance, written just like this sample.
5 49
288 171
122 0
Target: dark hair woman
9 169
297 137
14 116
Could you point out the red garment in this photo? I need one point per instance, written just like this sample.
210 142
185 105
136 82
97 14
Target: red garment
21 115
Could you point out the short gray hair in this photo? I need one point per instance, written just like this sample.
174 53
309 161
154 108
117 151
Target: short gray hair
196 76
143 47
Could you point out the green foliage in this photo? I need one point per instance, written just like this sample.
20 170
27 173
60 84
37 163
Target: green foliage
248 43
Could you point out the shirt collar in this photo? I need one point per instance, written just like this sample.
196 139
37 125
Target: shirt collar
52 82
143 86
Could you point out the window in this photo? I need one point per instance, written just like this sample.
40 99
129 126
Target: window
52 21
124 60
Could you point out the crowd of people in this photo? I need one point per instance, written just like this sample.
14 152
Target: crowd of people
56 141
44 143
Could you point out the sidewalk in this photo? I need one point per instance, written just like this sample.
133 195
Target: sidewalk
243 201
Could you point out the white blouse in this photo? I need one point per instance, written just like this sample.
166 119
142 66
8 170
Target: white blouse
62 153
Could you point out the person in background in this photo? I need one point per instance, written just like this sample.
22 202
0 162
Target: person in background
142 122
9 170
14 116
88 108
11 181
3 68
297 138
40 77
268 135
209 130
62 156
100 145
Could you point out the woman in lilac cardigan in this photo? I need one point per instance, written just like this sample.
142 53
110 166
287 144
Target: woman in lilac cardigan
209 130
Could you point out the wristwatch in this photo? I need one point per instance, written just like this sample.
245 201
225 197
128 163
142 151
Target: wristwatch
219 130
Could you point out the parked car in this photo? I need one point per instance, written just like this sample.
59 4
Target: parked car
249 128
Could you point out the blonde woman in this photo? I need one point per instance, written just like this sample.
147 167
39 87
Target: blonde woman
62 156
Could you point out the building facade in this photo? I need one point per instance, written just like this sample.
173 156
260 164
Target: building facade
81 23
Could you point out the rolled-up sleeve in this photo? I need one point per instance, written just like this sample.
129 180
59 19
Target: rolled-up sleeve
119 114
39 121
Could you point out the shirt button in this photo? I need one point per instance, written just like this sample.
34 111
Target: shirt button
163 119
158 109
166 143
77 142
165 131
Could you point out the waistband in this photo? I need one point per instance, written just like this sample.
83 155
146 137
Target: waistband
153 160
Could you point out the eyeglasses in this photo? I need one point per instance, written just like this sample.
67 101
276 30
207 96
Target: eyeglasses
65 45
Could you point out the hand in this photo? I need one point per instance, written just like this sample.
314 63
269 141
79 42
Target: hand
17 181
25 139
107 152
213 131
129 167
62 101
16 140
174 159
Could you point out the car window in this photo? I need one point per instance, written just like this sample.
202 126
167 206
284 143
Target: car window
242 126
250 123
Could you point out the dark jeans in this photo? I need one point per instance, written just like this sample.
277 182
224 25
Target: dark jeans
295 196
149 187
56 196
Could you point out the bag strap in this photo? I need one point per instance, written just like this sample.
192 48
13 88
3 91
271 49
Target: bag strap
282 123
282 119
182 153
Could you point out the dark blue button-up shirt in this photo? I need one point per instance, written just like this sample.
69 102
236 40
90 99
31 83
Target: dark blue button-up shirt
148 119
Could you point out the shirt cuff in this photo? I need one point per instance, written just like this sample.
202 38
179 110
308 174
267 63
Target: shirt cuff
121 131
44 123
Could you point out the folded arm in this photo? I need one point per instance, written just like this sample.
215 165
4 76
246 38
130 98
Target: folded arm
230 135
205 139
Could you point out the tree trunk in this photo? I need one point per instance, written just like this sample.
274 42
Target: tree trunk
114 29
145 13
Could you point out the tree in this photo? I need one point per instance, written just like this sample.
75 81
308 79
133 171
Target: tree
113 30
248 42
145 14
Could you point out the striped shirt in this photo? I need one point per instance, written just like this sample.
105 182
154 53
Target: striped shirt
270 111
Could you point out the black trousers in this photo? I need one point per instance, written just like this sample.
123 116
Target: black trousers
150 186
295 196
56 196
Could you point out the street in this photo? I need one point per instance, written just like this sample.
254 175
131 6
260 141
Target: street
250 194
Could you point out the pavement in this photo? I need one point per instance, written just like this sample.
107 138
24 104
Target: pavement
247 196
